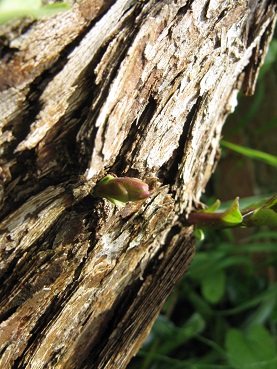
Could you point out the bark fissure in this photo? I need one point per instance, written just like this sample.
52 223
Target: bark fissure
138 130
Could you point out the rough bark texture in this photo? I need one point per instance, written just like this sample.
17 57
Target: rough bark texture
137 88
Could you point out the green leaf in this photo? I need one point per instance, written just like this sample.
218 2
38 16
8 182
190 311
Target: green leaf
172 337
250 153
256 349
262 313
264 215
199 234
232 216
213 286
255 202
12 9
213 207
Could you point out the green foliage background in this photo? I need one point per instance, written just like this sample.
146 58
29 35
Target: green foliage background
223 313
16 9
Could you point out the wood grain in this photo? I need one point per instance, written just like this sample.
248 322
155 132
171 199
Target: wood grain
137 88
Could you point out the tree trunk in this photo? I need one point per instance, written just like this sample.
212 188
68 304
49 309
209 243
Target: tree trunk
134 88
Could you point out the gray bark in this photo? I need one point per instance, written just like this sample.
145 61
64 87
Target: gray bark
134 88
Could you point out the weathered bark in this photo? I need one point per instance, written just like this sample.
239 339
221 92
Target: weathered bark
137 88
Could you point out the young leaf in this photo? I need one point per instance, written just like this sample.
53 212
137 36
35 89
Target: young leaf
263 215
120 190
231 217
214 207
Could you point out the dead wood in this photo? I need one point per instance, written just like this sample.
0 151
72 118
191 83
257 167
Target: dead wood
136 88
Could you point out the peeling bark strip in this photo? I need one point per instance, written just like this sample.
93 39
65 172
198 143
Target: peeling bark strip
134 88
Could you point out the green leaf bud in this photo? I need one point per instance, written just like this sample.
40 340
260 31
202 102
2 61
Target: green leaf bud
120 190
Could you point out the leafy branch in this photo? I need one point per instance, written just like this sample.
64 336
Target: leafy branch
255 215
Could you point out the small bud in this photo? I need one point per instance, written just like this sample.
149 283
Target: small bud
120 190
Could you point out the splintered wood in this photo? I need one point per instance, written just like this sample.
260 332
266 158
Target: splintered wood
131 88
